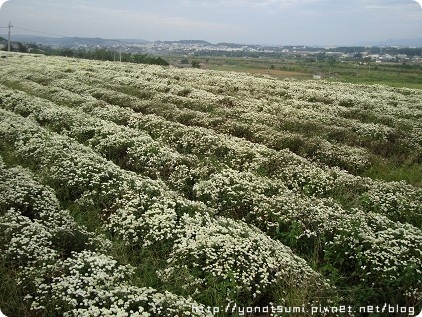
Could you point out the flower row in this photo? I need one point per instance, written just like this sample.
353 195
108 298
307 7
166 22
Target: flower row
142 211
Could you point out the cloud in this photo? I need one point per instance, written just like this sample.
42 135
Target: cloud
246 21
1 4
420 2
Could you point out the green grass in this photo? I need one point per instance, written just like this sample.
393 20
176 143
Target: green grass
395 171
395 75
11 299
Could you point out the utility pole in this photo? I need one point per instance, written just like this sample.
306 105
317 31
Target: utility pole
8 37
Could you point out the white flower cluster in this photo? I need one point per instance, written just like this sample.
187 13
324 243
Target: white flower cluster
153 223
222 250
82 176
332 108
270 205
27 242
397 200
373 131
60 265
269 154
107 137
19 191
37 205
134 149
184 140
380 250
93 284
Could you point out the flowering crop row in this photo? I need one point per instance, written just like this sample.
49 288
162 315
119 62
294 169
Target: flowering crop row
144 212
201 166
63 266
278 114
122 115
137 151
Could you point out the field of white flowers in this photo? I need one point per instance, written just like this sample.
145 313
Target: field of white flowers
131 190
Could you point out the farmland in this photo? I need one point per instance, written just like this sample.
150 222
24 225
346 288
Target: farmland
352 71
134 190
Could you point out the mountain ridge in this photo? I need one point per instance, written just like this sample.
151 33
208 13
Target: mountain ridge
72 41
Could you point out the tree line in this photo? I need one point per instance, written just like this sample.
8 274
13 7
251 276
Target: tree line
102 54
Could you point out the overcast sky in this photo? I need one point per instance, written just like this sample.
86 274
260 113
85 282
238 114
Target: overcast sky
281 22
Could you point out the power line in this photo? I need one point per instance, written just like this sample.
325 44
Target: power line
41 32
35 31
25 29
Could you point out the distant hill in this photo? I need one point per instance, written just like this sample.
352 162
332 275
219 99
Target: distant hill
231 45
73 41
186 42
417 42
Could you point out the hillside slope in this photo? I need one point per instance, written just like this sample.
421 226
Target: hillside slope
156 191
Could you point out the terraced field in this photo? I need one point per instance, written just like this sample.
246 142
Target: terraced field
131 190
